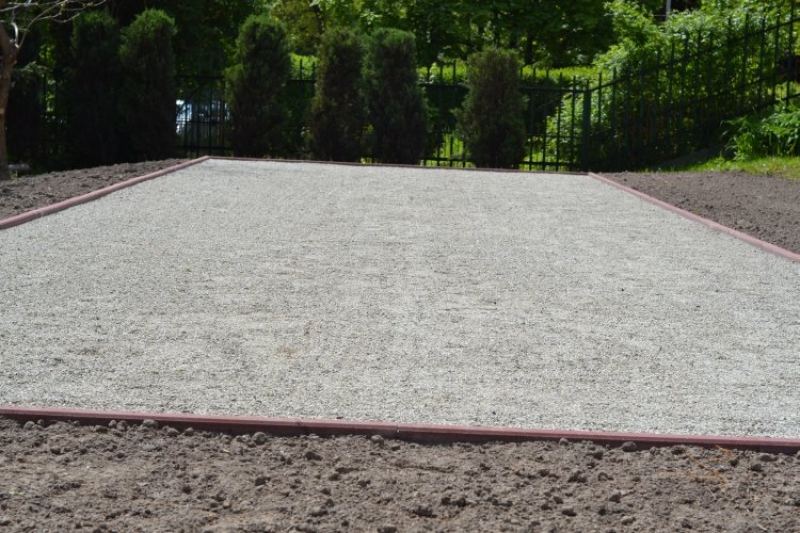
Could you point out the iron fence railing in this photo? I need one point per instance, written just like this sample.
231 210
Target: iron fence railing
663 108
678 102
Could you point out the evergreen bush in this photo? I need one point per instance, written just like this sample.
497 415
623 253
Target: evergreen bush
491 121
338 111
148 90
93 83
26 105
398 114
257 88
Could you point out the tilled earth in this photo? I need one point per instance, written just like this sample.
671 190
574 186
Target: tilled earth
63 477
31 192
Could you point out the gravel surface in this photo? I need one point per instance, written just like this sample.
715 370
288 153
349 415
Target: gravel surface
286 289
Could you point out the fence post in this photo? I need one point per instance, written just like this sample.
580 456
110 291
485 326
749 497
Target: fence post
586 124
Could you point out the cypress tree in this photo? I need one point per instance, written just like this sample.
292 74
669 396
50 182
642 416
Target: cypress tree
257 88
338 111
491 119
398 112
93 89
148 90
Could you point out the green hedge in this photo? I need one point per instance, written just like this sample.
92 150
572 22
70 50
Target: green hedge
148 90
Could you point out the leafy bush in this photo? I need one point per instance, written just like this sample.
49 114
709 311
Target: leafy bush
148 89
667 88
491 121
338 112
257 88
93 83
774 134
398 112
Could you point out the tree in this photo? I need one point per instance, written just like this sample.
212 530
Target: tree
17 18
206 29
338 111
148 91
398 111
257 83
491 121
303 23
93 83
26 106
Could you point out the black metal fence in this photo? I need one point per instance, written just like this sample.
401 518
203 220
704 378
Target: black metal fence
203 121
679 101
661 109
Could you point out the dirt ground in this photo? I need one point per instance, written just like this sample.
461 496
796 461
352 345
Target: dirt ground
766 207
62 477
24 193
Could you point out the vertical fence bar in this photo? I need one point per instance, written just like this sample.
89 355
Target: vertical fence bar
574 94
598 120
586 124
532 119
792 66
743 72
762 50
670 101
776 60
558 122
659 147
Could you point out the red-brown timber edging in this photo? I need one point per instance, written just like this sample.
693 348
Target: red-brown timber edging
27 216
716 226
421 433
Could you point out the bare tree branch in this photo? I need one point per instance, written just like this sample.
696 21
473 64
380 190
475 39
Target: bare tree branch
23 15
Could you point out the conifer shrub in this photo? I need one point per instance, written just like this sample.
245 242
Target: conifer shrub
93 83
256 84
25 110
398 114
491 121
338 111
148 89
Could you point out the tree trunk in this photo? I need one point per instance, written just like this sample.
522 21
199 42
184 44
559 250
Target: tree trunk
9 50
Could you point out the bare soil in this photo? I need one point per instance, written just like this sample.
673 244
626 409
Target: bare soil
63 477
25 193
764 206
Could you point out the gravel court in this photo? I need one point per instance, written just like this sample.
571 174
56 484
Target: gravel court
397 294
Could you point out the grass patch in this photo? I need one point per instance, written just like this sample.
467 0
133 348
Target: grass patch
784 166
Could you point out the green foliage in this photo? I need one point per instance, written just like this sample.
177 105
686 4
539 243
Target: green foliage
785 166
550 32
148 91
397 109
666 88
338 112
205 39
774 134
93 83
256 85
491 122
24 122
303 67
303 25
